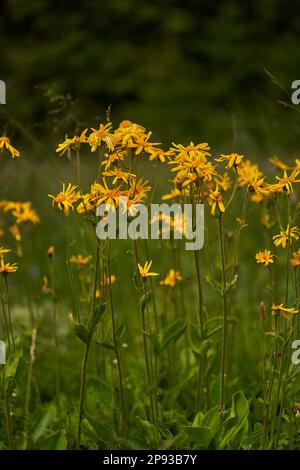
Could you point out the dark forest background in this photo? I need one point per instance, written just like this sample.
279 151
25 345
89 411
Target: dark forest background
192 70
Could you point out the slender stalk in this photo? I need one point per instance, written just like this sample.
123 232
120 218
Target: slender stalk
279 395
6 324
78 166
28 390
87 349
8 421
225 328
54 330
116 344
82 389
9 313
70 271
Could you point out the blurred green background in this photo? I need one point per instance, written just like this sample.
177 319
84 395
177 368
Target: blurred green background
186 70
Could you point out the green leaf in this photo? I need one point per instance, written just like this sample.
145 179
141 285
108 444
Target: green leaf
56 441
98 314
100 432
81 331
194 335
43 424
213 325
120 331
104 343
200 436
173 332
237 422
11 369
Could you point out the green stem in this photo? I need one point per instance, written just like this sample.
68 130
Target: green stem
9 313
70 271
116 345
225 328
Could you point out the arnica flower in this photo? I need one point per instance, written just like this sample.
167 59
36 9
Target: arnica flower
111 158
248 173
175 193
66 199
286 182
98 294
128 133
224 181
264 257
101 136
3 251
232 159
25 213
80 260
72 143
157 154
5 144
142 144
280 309
215 201
87 203
145 270
295 260
278 163
109 281
286 235
50 251
106 195
190 151
171 278
7 268
16 232
119 174
45 287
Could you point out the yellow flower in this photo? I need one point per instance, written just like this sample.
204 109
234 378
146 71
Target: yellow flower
142 144
16 233
233 159
157 154
110 158
5 144
119 174
286 235
3 251
45 288
50 251
6 268
278 163
285 182
279 309
171 278
72 143
98 294
106 281
80 260
224 181
264 257
190 151
66 199
101 135
145 270
104 194
215 201
25 213
295 260
172 195
128 133
249 173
